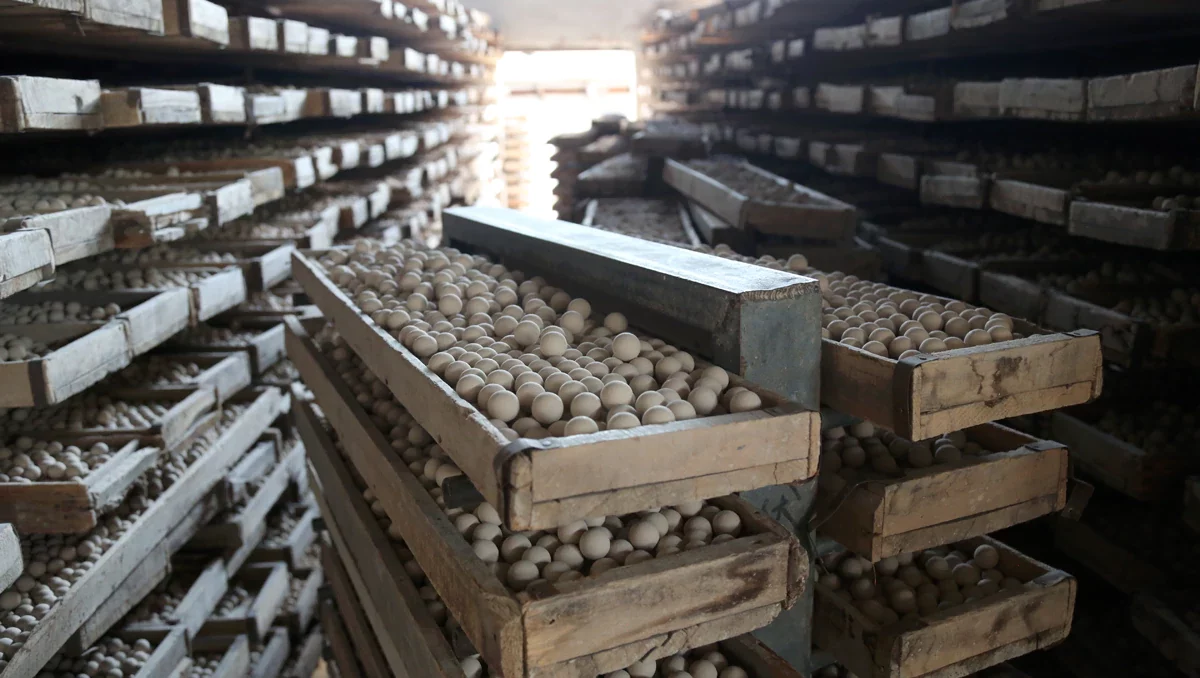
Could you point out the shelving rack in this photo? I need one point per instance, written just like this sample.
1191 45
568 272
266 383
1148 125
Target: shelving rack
167 158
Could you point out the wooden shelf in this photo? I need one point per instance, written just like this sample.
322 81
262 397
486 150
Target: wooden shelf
878 517
507 474
507 629
956 641
90 592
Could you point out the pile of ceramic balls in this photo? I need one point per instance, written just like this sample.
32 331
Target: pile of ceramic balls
55 312
159 607
547 368
896 323
205 665
280 524
16 348
1163 428
87 411
26 460
748 183
1180 307
643 218
207 335
886 453
44 203
159 371
54 563
166 254
702 662
128 279
913 584
109 658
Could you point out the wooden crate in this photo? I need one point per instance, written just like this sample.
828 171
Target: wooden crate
74 234
298 540
171 509
298 618
268 585
976 100
221 104
247 524
12 563
848 99
196 22
817 216
514 633
234 652
517 478
1117 566
90 351
1178 642
168 656
205 589
1063 99
69 507
956 641
1161 94
898 102
926 395
951 274
225 374
252 33
333 103
31 104
877 517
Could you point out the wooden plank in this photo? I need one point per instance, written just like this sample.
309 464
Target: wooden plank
143 106
958 640
222 104
200 20
26 258
977 100
408 635
345 663
488 612
516 485
1021 479
1044 99
32 104
353 617
1136 226
1041 197
273 656
847 99
307 656
12 563
268 585
300 615
205 590
252 33
954 191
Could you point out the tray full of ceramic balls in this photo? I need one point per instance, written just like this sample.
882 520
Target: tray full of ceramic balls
866 613
601 406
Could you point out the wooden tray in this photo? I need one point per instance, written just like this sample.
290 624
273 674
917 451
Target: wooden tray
1063 99
512 631
1135 225
26 259
75 507
956 641
926 395
1175 639
268 584
899 170
951 274
306 655
31 104
94 350
1120 568
299 618
881 517
1165 93
351 604
819 216
226 375
264 350
234 652
976 100
1044 197
1128 469
511 476
953 190
206 588
87 595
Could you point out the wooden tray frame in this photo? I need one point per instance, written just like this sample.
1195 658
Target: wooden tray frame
299 539
226 374
352 609
820 217
299 619
1125 468
505 627
508 474
266 349
881 517
92 354
206 590
1164 628
957 641
235 655
307 654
